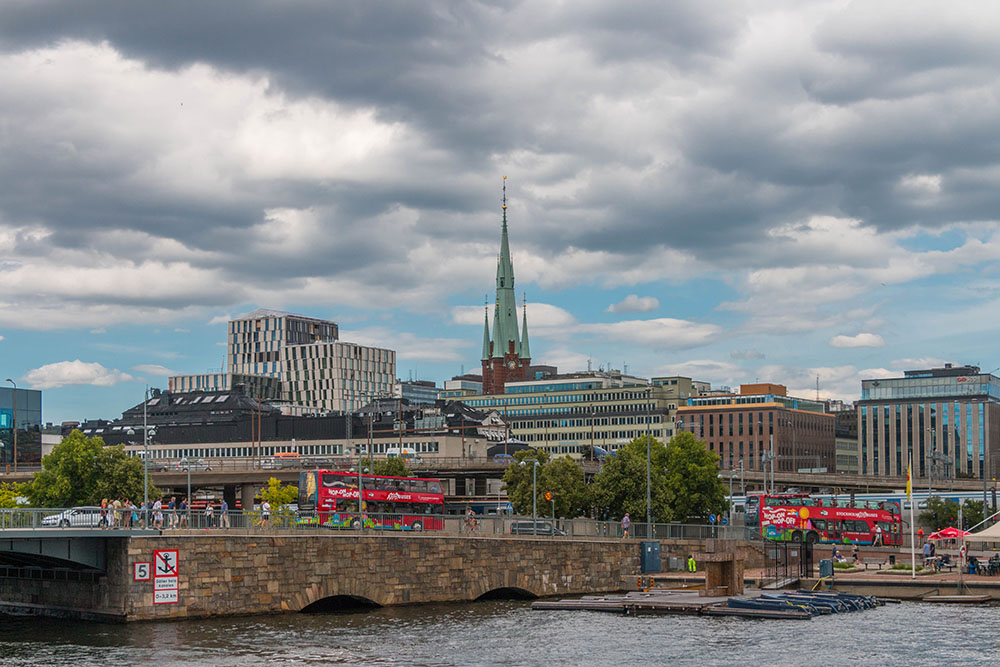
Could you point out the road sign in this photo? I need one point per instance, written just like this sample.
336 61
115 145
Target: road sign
141 571
165 583
711 518
548 495
165 562
166 597
725 520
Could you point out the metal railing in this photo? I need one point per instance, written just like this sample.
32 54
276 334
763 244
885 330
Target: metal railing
287 519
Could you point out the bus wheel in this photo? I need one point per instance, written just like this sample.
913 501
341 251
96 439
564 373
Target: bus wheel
796 536
812 538
417 525
356 523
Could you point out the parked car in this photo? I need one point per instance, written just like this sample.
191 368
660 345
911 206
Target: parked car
83 517
197 464
156 466
539 528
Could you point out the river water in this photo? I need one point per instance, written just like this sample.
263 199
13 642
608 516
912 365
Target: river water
509 633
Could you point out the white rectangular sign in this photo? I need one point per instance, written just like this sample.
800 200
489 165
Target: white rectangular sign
141 571
165 583
165 597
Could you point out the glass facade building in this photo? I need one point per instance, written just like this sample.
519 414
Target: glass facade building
29 423
946 419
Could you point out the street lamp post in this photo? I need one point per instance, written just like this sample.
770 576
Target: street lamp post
649 489
15 423
534 493
187 465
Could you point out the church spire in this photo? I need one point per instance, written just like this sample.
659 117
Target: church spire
525 350
505 337
486 332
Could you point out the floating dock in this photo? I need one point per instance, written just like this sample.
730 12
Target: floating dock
801 605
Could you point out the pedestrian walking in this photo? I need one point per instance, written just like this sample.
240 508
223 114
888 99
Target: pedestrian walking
209 515
182 520
265 514
626 524
103 520
158 514
172 512
692 566
224 514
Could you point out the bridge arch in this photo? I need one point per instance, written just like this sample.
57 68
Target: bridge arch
506 593
340 604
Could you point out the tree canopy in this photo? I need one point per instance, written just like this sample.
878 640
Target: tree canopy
9 494
620 486
562 477
694 489
394 467
82 471
684 481
279 494
939 513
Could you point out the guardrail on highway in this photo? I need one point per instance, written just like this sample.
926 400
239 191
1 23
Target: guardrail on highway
289 520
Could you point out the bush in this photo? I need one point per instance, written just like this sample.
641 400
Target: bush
904 566
844 566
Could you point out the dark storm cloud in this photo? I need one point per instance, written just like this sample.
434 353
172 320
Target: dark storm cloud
673 128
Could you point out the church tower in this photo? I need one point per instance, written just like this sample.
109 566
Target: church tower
506 355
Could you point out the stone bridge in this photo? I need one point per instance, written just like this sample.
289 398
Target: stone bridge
231 573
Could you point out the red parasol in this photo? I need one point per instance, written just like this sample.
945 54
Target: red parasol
948 533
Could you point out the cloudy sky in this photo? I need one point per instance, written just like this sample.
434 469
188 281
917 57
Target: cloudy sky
731 191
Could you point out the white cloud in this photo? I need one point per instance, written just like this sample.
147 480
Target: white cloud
914 363
220 319
633 303
540 316
62 373
1 337
746 354
660 333
409 347
154 369
859 340
98 331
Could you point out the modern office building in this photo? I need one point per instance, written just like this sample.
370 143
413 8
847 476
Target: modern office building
416 391
846 432
947 419
257 339
263 386
297 363
338 376
26 417
747 427
571 413
461 386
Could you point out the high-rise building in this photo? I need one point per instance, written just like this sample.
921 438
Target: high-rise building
744 427
256 339
298 363
27 413
506 356
946 419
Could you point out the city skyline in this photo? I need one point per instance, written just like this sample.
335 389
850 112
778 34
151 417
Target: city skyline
734 195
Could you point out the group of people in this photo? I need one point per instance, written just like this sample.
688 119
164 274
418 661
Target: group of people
159 513
840 558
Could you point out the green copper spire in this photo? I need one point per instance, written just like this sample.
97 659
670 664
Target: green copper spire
505 319
525 350
486 333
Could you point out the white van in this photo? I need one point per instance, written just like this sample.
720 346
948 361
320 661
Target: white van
405 453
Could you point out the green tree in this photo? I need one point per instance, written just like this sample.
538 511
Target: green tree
939 513
620 486
694 489
279 494
394 467
972 513
563 477
82 471
517 480
10 492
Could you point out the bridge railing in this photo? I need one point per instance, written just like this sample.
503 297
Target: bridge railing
289 520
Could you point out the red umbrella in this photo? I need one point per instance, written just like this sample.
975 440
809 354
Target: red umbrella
948 534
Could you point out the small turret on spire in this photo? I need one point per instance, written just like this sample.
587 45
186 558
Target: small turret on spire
486 328
525 349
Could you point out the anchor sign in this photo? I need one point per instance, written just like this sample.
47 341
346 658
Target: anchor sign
165 563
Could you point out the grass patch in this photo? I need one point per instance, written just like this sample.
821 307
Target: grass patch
904 566
843 566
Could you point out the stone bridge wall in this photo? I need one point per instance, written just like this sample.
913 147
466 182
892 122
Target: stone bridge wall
230 573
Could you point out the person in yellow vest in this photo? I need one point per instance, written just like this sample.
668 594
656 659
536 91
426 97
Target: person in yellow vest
692 567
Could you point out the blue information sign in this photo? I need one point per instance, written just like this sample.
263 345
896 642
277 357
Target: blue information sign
711 518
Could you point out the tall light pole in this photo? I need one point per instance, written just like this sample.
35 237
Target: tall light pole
534 493
649 490
187 464
15 423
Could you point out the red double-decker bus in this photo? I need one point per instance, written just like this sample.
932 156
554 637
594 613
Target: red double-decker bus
330 498
799 518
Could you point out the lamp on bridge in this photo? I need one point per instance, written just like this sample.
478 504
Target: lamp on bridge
147 433
14 429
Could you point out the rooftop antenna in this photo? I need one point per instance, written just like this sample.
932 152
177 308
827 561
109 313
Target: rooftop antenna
817 387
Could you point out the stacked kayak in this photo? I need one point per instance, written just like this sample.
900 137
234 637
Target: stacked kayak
815 603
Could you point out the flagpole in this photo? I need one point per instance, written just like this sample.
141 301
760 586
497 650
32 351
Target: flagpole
909 498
